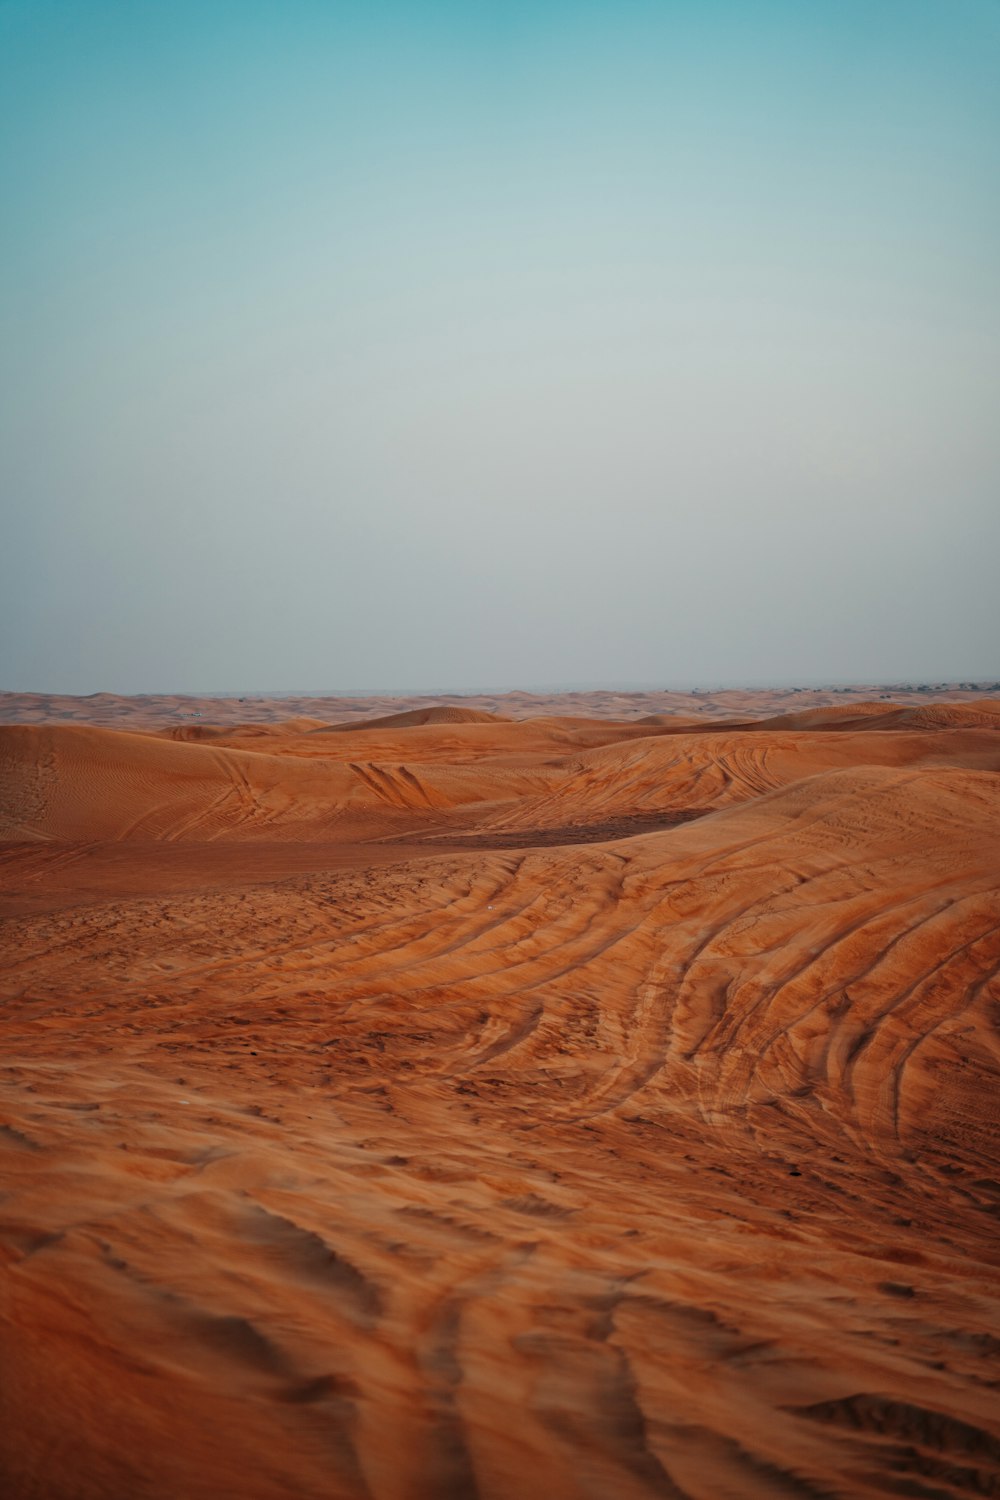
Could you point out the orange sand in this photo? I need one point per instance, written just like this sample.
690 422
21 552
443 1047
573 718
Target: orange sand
469 1105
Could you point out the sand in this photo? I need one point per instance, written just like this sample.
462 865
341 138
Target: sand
481 1104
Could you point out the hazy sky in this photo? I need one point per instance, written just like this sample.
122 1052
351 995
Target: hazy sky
488 343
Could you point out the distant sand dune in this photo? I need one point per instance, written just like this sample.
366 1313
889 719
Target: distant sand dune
77 783
727 704
983 714
437 715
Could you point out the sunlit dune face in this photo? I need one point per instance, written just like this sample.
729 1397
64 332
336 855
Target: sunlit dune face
462 1104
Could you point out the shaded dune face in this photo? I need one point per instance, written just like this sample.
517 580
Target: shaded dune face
454 1108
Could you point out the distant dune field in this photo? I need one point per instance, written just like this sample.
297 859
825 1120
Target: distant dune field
305 711
591 1097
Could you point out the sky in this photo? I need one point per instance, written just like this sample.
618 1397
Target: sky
481 344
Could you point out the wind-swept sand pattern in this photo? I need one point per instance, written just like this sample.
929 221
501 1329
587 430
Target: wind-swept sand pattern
470 1106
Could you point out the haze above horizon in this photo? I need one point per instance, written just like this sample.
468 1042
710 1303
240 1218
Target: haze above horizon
456 343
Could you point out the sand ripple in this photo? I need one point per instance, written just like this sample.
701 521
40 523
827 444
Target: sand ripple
403 1113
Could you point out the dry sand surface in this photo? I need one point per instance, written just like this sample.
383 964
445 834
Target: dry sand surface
310 711
516 1101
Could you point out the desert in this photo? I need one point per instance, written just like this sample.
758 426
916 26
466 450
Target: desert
499 750
588 1096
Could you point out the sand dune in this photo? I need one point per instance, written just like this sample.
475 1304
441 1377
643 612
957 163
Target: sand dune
984 714
438 714
379 1121
160 710
69 782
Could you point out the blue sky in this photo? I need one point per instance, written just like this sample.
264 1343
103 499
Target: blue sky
457 345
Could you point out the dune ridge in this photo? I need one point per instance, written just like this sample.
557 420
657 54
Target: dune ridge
404 1113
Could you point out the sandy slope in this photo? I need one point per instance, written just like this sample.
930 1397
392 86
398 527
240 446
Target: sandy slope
502 1156
71 782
